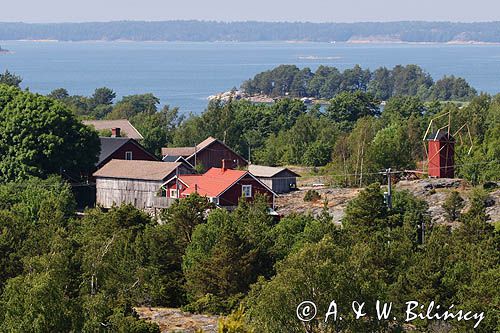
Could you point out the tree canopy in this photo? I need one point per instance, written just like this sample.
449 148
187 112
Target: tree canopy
327 82
39 136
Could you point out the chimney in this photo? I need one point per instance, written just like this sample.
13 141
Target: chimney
226 164
115 132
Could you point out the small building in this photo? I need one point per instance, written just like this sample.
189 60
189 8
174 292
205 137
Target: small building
207 154
222 186
122 126
441 152
119 148
280 180
135 182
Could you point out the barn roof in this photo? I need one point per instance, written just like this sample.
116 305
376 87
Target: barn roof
267 171
137 169
178 151
205 143
110 145
188 152
126 128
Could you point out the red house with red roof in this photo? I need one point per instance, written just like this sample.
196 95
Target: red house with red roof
222 186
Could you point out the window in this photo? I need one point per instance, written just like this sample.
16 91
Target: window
173 193
214 200
246 190
128 155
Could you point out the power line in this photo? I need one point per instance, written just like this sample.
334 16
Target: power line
82 184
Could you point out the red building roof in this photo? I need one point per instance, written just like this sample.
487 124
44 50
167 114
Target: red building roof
212 183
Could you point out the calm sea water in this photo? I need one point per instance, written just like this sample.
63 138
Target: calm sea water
184 74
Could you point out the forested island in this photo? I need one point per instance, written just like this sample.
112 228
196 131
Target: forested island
405 31
383 83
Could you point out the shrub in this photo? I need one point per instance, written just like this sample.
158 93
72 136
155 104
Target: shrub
312 195
212 304
453 205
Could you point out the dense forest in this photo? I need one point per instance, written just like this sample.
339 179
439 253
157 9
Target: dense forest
382 83
63 272
439 32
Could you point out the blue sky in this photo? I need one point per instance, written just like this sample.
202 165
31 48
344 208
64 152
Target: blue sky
262 10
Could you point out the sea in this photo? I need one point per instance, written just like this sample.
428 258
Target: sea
184 74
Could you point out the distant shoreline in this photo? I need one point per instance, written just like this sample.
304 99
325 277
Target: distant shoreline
255 31
353 42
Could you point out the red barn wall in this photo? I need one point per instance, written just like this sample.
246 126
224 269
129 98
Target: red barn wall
233 194
441 159
434 159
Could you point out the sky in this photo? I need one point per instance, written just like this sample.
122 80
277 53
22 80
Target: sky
262 10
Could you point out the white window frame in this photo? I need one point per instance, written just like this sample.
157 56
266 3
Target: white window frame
214 200
127 154
173 193
244 189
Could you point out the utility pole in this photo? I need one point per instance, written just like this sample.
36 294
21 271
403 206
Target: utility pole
177 182
195 157
423 231
249 154
388 194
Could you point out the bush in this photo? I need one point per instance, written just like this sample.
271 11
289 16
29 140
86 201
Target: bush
312 195
453 205
234 323
490 186
212 304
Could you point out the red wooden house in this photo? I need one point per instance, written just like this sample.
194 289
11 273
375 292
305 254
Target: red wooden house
207 154
222 186
441 155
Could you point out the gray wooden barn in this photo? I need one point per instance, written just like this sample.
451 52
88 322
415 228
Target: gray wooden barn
280 180
136 182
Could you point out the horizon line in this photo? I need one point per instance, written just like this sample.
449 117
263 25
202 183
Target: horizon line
250 21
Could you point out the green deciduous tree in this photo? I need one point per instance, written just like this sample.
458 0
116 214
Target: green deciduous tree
349 107
400 108
157 128
391 148
132 105
39 136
